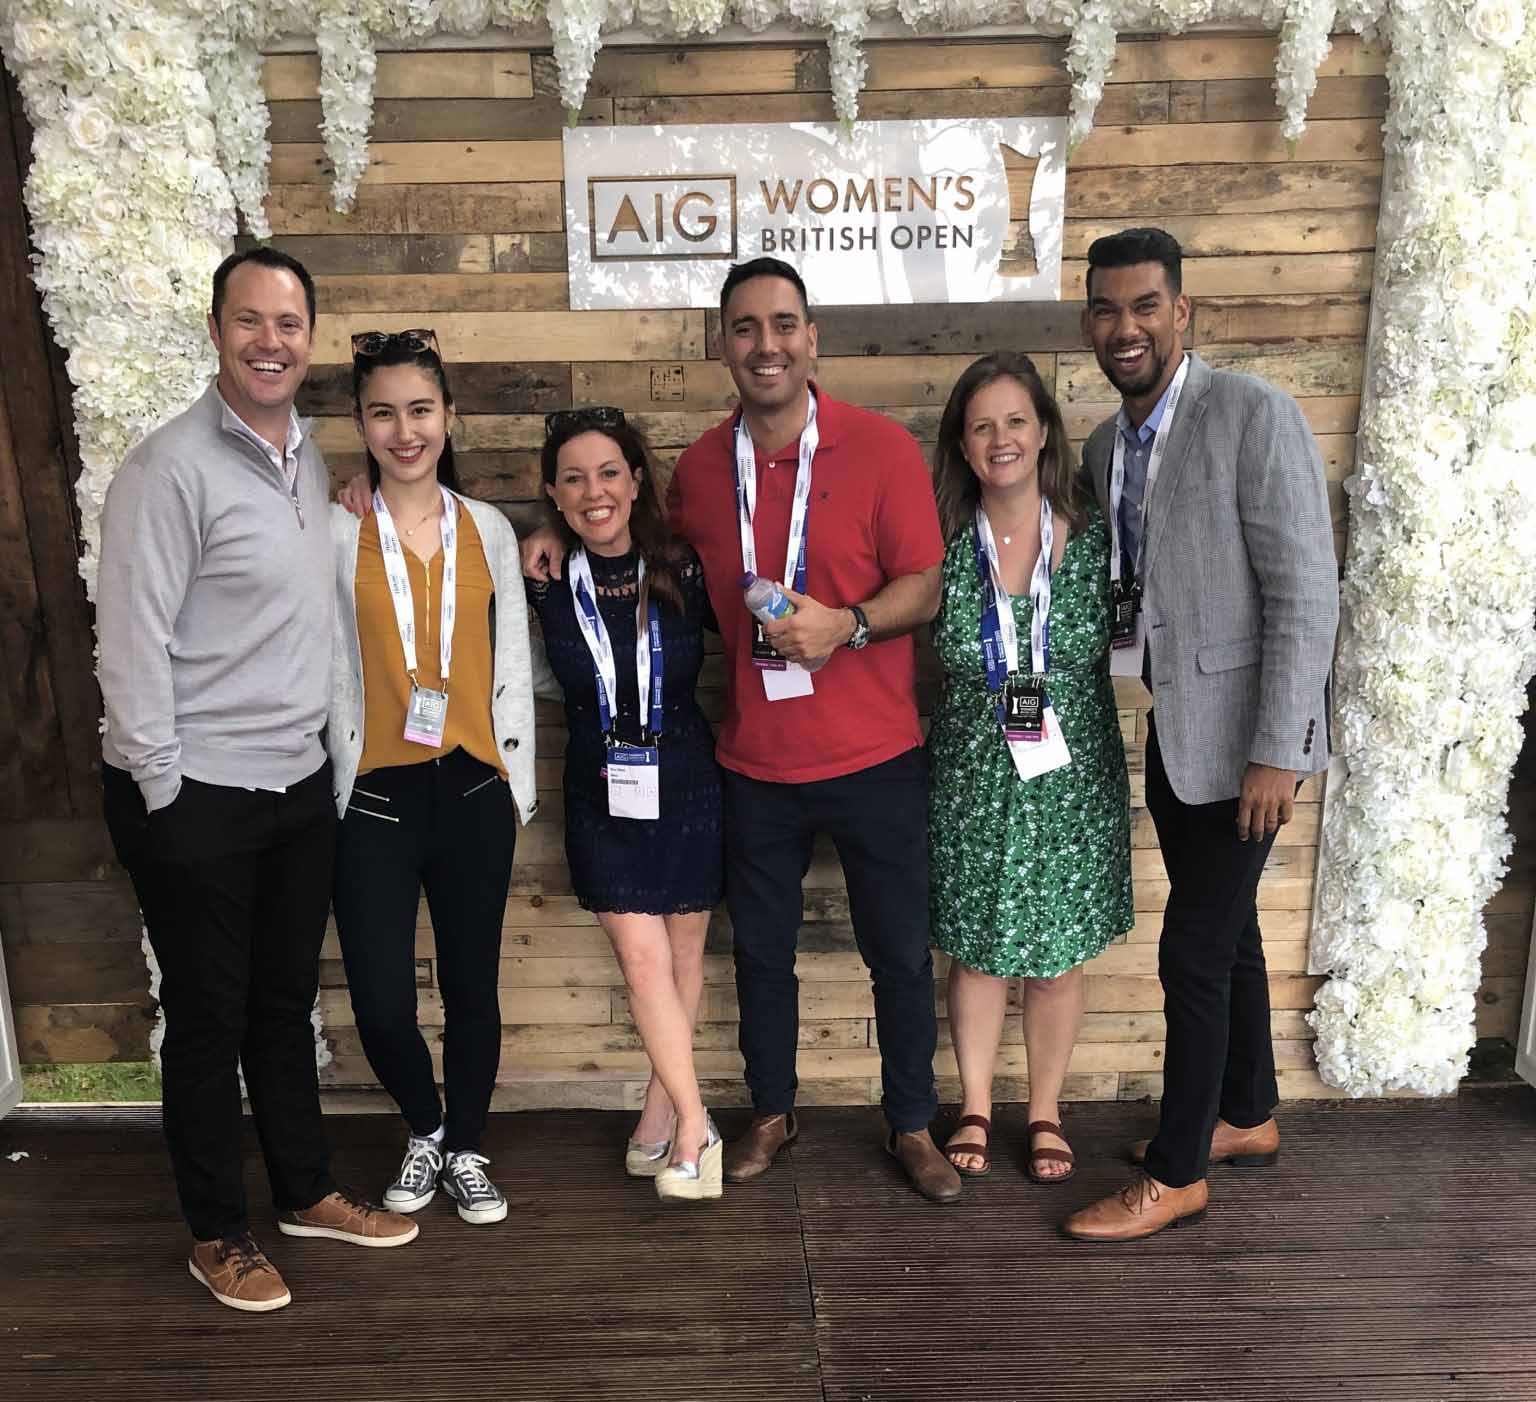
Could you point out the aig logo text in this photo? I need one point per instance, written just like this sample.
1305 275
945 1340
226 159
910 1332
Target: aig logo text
645 218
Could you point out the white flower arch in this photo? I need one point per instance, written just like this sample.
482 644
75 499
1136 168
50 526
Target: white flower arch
151 130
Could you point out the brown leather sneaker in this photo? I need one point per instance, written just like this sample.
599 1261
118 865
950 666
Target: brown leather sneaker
238 1274
751 1155
1140 1209
351 1219
1258 1147
931 1173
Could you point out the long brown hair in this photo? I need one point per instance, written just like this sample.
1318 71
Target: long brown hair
648 529
955 485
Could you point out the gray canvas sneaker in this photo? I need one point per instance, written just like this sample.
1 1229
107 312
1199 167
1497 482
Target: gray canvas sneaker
416 1183
463 1179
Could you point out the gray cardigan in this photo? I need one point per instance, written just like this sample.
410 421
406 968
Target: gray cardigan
519 667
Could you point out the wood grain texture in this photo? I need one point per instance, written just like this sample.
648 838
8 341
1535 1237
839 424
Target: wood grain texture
436 73
459 224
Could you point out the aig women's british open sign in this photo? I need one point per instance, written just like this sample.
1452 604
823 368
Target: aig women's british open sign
940 211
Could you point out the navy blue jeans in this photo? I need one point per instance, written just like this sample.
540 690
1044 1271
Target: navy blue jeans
878 820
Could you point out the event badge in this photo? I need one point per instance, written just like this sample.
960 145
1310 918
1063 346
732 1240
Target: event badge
1023 711
1124 613
783 680
427 711
1128 630
634 781
425 716
632 772
1032 758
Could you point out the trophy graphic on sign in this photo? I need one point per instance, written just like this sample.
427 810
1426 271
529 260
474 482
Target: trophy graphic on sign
1018 258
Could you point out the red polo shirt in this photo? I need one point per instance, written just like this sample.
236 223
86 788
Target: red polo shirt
872 519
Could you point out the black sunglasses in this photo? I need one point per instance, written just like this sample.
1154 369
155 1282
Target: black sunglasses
369 344
590 416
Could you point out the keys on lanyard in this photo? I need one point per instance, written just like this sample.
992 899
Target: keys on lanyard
633 772
1024 710
427 711
1127 629
782 679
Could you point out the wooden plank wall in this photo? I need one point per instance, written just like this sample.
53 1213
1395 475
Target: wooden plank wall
459 226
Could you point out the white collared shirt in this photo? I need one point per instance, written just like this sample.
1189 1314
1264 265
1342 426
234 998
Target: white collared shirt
287 461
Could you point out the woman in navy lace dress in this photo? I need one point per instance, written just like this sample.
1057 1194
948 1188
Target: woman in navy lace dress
623 630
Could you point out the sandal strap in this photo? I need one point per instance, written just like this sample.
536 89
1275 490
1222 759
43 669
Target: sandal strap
1060 1155
980 1121
961 1151
1045 1127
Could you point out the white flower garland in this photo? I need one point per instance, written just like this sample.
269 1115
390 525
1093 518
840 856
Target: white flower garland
151 128
1437 647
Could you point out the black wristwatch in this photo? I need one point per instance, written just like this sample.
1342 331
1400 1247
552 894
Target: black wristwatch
860 636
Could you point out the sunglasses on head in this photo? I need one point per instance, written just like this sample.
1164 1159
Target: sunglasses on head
591 416
369 344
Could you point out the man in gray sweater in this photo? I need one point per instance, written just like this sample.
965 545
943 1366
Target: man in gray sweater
214 606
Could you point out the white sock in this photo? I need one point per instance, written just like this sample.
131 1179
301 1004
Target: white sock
436 1137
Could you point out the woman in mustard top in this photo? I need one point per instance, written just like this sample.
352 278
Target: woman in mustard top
431 737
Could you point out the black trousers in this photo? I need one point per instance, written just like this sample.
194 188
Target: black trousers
1219 1057
447 825
878 820
234 887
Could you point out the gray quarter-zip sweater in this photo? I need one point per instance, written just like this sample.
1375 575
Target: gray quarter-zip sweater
214 605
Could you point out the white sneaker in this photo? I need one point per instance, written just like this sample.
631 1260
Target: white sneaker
416 1183
463 1179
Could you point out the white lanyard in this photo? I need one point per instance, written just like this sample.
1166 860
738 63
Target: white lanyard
746 499
1154 463
595 633
400 583
1039 593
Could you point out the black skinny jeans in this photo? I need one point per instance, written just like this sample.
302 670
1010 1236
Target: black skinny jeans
234 887
447 825
1219 1058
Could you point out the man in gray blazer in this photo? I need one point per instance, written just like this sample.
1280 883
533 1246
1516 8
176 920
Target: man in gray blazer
1225 593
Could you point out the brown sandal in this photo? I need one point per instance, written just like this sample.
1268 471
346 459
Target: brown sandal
1065 1156
975 1151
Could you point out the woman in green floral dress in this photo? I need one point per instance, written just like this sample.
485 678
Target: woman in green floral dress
1030 876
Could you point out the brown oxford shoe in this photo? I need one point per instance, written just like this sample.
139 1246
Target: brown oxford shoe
752 1155
1140 1209
1258 1147
931 1173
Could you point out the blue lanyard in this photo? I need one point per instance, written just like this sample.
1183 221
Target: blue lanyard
653 626
653 720
994 653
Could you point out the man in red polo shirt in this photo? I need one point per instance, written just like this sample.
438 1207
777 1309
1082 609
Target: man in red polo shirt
835 751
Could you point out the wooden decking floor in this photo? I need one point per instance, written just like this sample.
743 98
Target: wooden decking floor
1391 1255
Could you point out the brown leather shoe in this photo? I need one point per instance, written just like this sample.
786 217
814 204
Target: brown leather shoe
1258 1147
931 1173
238 1273
1140 1209
346 1218
752 1154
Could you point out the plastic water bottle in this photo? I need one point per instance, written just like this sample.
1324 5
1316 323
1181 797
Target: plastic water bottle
768 603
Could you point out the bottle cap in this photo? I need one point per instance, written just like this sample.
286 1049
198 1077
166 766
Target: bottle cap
748 580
